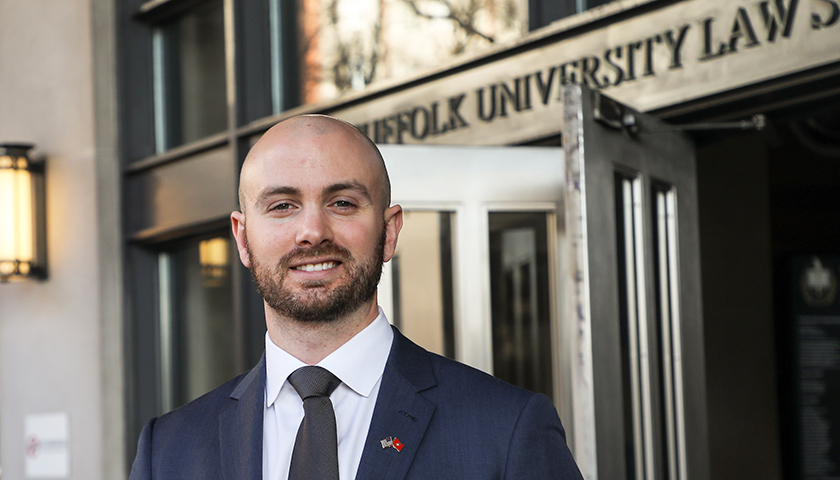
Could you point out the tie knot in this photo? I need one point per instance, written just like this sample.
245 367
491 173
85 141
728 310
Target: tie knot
313 382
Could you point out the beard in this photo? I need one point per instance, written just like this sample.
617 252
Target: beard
318 302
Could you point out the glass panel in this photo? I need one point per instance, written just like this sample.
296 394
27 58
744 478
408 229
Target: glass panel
421 281
189 66
543 12
349 44
520 300
668 332
285 71
257 40
197 351
630 281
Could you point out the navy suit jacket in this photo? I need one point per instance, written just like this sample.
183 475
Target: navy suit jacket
454 422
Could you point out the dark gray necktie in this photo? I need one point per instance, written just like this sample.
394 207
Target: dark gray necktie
315 455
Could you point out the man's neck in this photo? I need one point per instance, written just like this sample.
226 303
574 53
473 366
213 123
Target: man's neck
311 342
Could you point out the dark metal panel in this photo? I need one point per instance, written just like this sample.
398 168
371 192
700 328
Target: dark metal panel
196 190
177 153
156 10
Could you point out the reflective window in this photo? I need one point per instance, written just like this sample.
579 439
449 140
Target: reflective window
349 44
197 349
189 76
652 383
635 376
420 281
345 45
283 48
521 313
669 337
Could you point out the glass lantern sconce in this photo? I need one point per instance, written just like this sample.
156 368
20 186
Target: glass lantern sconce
22 215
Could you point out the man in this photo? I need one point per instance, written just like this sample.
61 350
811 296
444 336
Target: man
315 227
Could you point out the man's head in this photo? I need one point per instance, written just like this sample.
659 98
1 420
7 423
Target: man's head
315 223
319 125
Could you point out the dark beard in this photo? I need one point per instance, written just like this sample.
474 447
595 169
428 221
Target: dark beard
317 303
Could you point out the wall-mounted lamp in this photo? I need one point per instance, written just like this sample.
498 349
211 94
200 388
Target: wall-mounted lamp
22 215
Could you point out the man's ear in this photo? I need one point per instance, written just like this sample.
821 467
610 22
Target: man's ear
237 224
393 225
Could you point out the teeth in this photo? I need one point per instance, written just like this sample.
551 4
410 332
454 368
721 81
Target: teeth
316 267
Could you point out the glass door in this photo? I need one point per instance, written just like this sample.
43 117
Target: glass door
474 275
639 398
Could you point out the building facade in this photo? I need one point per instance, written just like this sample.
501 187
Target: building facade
631 206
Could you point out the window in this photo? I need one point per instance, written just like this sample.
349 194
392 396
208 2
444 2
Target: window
543 12
189 76
348 44
521 317
416 289
196 339
652 379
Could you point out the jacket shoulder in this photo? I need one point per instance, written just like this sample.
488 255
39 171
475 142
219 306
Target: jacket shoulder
207 406
512 432
185 443
476 388
453 381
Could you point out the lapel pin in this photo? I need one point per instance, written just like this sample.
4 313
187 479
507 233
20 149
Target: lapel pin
391 442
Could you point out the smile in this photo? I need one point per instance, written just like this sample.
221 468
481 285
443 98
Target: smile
316 267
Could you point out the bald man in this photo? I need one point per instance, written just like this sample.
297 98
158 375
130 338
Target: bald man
315 226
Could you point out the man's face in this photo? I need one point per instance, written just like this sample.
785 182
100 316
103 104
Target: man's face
314 232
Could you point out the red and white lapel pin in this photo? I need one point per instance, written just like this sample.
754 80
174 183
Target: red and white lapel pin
391 442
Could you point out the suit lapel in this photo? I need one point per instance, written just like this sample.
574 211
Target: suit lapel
400 413
241 428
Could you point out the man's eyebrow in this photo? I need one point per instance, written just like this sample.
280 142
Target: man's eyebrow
352 185
272 191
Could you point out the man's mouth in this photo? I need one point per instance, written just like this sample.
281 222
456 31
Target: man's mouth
316 267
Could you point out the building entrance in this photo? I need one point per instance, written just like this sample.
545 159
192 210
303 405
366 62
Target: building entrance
572 271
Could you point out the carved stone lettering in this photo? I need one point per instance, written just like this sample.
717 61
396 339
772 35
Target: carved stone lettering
675 45
817 21
742 28
778 17
627 64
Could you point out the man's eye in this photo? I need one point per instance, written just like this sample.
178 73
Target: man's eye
282 206
344 204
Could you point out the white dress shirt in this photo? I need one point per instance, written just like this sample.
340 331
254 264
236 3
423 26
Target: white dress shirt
359 365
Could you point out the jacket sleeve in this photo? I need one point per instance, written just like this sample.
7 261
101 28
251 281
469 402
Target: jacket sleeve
538 447
142 467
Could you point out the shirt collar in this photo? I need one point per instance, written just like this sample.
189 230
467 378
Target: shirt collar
359 363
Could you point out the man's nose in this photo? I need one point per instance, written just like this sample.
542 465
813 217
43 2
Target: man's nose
313 228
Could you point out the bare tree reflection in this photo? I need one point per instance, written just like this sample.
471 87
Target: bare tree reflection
349 44
463 17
